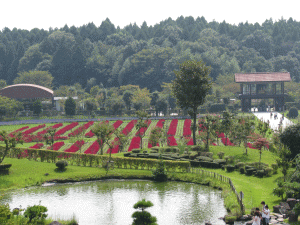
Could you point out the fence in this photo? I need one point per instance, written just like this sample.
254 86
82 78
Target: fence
222 179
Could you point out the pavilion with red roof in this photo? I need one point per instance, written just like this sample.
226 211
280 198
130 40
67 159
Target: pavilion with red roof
268 85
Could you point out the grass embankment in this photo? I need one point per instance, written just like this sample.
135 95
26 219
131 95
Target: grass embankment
255 189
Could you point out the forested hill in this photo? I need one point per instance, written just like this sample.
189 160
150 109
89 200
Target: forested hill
147 55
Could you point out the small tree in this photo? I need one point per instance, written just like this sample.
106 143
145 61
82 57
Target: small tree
103 132
226 123
49 137
155 136
37 107
190 86
142 124
123 140
70 107
143 217
284 160
246 128
259 144
10 142
290 137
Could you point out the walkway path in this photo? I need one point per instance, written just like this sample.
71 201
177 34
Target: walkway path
274 123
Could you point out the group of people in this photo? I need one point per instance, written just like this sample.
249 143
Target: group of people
263 217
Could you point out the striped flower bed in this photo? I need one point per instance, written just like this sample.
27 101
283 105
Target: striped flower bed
66 128
129 127
21 129
91 134
54 127
37 146
160 124
81 129
187 128
93 149
135 143
56 146
75 147
172 141
173 127
33 129
142 130
117 124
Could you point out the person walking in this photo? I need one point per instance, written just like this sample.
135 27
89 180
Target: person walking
267 213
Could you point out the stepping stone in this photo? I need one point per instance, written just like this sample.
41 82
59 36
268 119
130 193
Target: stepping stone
280 219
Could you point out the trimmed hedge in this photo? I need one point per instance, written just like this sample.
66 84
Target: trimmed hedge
219 107
207 154
98 160
204 158
230 168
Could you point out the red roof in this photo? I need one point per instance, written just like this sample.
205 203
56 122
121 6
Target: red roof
262 77
21 91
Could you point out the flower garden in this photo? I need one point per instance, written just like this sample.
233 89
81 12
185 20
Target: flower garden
78 137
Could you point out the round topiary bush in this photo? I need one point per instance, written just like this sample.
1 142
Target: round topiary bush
260 173
221 155
61 164
230 168
293 112
242 170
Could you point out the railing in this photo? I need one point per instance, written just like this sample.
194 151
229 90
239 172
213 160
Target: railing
223 179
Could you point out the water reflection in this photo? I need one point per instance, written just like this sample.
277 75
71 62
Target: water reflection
111 202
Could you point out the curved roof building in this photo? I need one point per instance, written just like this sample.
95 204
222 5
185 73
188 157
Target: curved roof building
26 91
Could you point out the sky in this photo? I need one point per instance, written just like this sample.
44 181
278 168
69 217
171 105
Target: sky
29 14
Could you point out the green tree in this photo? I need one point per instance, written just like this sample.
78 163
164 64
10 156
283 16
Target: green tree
10 142
143 217
103 132
123 140
290 137
226 123
37 107
42 78
127 98
9 106
284 160
70 107
3 83
49 137
190 87
155 136
143 118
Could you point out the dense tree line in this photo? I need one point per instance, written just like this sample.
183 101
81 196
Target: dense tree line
148 55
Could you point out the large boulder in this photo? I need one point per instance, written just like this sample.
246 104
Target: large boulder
292 202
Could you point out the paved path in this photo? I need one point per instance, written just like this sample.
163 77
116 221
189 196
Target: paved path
274 123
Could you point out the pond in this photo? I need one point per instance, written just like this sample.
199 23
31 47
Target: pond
111 201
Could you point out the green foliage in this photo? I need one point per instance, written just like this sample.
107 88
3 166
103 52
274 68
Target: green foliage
61 164
221 155
143 217
190 86
5 214
9 106
36 213
160 174
230 168
42 78
37 107
293 113
10 143
70 107
290 137
296 208
103 131
219 107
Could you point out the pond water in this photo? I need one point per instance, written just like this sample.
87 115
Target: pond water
111 201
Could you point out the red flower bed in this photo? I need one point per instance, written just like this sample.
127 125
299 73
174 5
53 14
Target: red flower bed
66 128
37 146
91 134
160 124
93 149
173 127
190 142
75 147
116 147
135 143
56 146
117 124
33 129
142 130
172 141
129 127
187 128
20 129
54 127
81 129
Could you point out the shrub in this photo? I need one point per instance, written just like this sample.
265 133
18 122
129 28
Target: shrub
268 171
221 155
229 159
242 170
153 151
293 112
220 107
207 154
223 167
160 173
260 173
61 164
204 158
250 171
136 150
296 208
239 165
36 213
5 214
145 151
230 168
126 154
198 148
289 193
275 168
70 107
220 161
